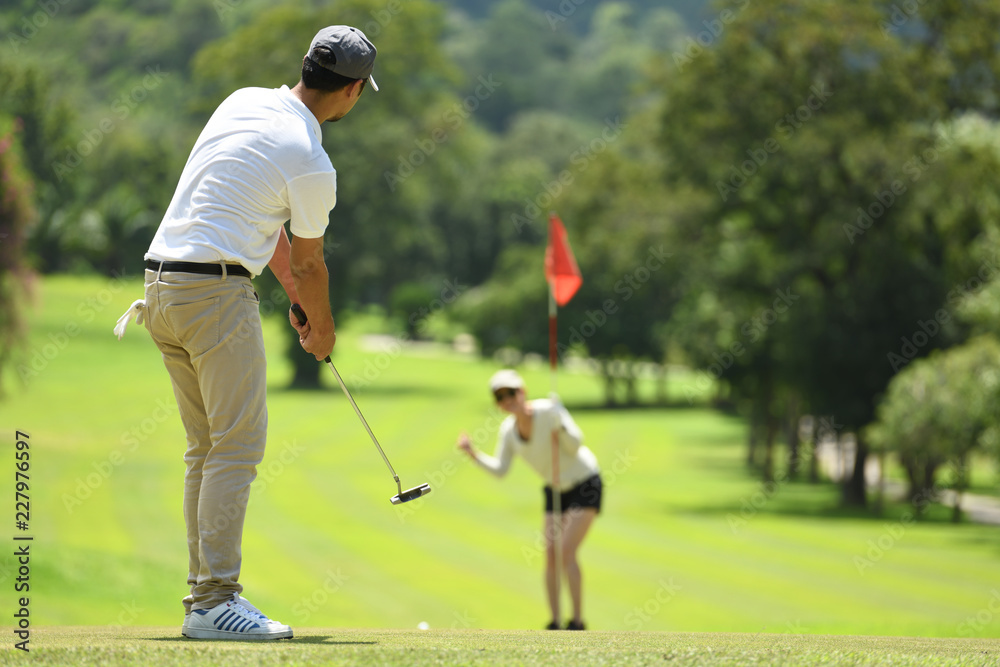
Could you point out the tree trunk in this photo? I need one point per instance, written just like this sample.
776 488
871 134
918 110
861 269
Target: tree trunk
854 492
961 484
661 384
912 477
631 390
754 429
880 497
770 428
927 491
813 450
920 473
792 437
770 433
609 384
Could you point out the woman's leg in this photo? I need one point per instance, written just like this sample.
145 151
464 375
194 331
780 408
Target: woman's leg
576 523
551 585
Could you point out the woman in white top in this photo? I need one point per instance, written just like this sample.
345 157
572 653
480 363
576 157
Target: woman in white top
528 432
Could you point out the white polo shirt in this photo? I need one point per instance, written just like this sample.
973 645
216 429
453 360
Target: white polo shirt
576 462
258 162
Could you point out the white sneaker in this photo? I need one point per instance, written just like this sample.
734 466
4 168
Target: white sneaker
246 603
235 619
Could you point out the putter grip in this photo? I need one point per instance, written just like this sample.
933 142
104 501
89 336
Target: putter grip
300 315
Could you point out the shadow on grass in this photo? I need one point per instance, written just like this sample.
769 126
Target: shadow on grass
261 642
821 501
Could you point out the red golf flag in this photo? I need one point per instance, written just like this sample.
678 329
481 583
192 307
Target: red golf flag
561 271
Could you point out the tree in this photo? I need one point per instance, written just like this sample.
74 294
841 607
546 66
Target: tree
582 61
937 411
46 124
812 134
519 48
16 213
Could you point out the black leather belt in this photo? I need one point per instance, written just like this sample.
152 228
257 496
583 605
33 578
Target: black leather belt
197 267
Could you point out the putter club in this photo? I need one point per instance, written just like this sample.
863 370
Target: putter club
402 496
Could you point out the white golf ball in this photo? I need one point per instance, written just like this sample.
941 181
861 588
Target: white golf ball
423 625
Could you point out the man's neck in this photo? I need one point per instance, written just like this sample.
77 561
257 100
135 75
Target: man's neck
315 101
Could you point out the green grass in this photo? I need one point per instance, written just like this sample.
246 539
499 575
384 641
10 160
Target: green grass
338 646
688 542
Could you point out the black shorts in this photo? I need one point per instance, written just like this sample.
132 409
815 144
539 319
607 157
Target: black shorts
585 494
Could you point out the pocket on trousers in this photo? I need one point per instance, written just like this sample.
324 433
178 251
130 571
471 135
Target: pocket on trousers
250 294
195 325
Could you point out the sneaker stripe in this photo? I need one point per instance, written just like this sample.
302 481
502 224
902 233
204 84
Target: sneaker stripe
249 625
226 620
234 622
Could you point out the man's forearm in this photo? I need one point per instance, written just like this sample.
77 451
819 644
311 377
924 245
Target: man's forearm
312 286
311 283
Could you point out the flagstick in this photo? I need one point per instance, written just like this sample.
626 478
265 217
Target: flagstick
563 276
556 496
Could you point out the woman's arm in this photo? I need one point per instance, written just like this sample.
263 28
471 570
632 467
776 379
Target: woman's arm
499 464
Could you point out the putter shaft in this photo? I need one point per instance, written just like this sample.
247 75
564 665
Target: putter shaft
354 405
400 497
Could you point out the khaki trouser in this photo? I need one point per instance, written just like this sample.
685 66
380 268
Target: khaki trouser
208 330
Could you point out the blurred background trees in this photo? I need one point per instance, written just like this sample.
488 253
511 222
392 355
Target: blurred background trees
16 214
827 165
795 200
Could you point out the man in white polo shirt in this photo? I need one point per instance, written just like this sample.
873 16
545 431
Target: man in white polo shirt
258 163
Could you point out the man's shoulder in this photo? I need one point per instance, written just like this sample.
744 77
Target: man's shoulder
289 133
242 95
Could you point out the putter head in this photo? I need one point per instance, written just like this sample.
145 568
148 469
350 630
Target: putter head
411 494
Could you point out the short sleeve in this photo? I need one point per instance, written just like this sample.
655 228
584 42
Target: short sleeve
310 199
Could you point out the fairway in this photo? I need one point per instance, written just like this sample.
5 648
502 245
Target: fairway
688 541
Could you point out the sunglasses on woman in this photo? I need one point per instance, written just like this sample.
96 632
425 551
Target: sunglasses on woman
501 394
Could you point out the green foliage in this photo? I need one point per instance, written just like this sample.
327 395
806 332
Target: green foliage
511 309
105 160
45 125
585 64
938 410
17 212
956 51
834 178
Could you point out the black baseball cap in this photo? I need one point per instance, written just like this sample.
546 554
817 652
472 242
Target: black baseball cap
346 51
